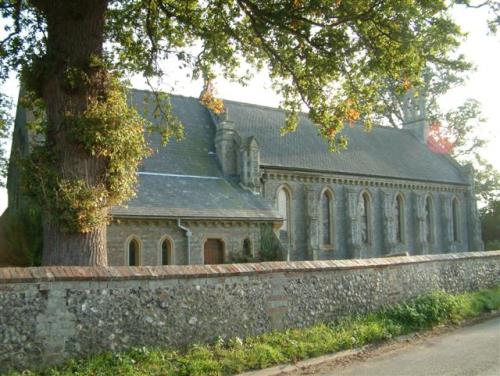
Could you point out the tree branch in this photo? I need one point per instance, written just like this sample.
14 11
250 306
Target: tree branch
273 54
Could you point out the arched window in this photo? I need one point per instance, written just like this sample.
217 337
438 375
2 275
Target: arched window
429 212
326 218
399 218
454 219
284 209
166 252
247 248
133 252
365 213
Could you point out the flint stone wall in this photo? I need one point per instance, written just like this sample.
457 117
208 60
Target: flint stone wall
50 314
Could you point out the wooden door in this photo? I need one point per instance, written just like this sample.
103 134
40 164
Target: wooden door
214 252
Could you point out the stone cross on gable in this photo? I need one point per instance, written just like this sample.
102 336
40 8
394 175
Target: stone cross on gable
415 114
414 103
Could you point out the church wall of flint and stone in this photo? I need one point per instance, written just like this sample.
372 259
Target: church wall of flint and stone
304 242
306 223
433 217
150 233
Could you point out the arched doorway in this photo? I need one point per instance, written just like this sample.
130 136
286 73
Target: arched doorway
213 252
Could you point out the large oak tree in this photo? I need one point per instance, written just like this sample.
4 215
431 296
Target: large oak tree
331 56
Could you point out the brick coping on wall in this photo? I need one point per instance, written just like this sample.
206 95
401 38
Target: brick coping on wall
77 273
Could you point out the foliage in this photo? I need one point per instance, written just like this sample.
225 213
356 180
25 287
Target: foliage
462 123
492 245
270 249
490 225
209 100
108 129
270 246
458 124
21 237
487 180
5 131
333 59
425 311
227 357
457 127
241 258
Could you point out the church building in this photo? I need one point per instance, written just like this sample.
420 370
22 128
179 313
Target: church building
234 187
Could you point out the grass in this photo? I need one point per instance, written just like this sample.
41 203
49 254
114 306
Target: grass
236 355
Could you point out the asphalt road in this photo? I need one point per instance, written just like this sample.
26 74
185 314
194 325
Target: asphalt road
469 351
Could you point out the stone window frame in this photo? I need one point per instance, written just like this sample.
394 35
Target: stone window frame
455 219
288 190
332 205
369 216
219 237
431 238
126 246
160 250
399 197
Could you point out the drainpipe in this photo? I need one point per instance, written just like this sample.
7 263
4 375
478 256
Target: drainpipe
188 237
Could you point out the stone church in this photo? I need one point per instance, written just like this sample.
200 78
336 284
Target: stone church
233 182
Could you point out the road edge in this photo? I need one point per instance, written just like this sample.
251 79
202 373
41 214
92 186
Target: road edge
287 368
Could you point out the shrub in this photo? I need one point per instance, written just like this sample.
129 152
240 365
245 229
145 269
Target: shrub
21 237
240 258
425 311
270 246
492 245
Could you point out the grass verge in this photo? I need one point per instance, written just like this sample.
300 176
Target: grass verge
237 355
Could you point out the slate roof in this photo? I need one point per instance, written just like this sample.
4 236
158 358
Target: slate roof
191 197
383 152
184 179
195 154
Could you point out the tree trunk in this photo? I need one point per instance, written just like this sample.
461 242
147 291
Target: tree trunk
62 248
75 36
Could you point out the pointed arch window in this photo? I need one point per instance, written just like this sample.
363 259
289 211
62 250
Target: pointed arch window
284 210
399 218
327 218
133 253
247 247
429 210
454 219
166 252
365 213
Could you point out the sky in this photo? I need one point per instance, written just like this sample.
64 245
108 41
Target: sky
480 48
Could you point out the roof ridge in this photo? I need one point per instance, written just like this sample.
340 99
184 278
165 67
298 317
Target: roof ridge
133 89
261 106
303 113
